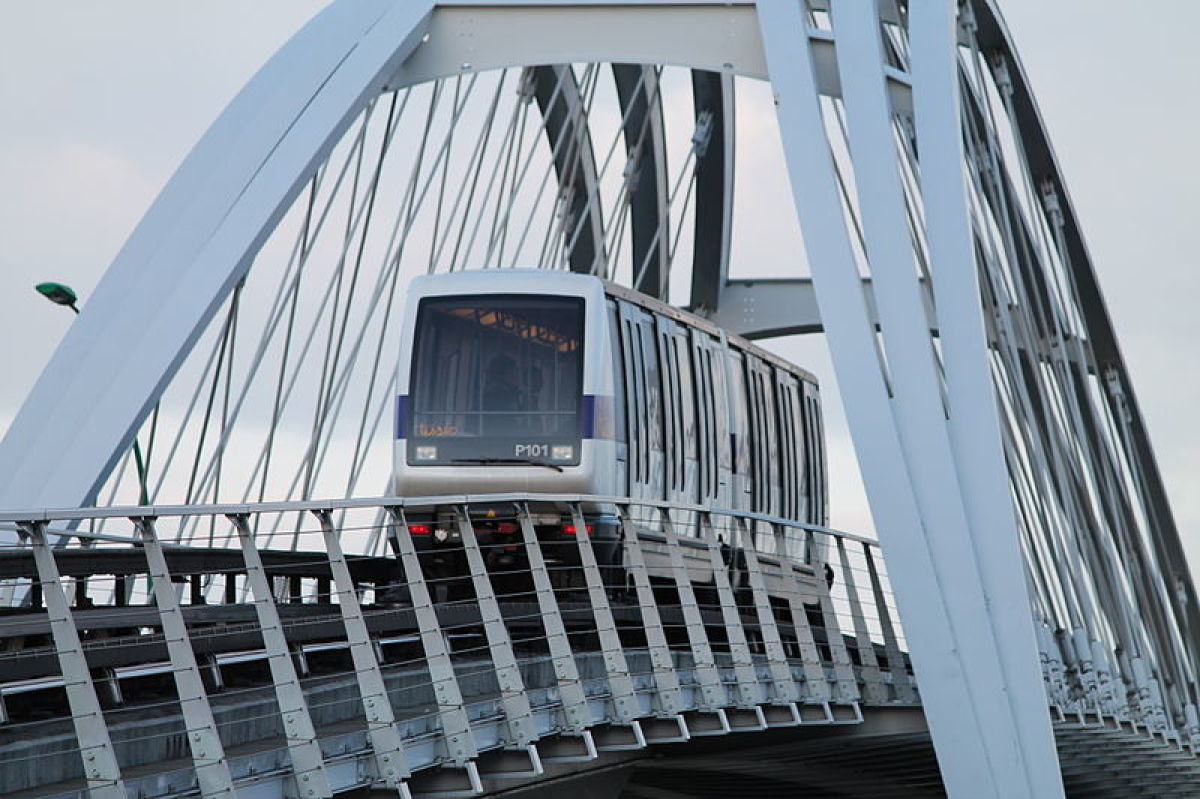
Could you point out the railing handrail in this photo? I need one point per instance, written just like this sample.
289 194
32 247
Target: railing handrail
16 517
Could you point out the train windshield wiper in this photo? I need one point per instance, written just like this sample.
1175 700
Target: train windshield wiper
553 466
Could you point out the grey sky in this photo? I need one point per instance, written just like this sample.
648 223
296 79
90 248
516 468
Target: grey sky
100 102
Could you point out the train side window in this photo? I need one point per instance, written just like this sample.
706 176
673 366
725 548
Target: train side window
822 510
740 416
796 433
789 439
700 390
620 389
785 445
653 409
757 445
765 438
716 365
670 374
685 389
706 393
635 397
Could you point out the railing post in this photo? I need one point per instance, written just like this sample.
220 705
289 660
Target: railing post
900 677
750 694
666 680
452 714
566 672
100 767
781 672
713 696
308 764
620 684
391 761
843 668
204 739
869 664
508 675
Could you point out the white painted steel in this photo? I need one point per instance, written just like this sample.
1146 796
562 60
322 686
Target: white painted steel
955 724
513 697
917 400
456 727
713 696
620 684
101 771
973 416
665 678
204 740
391 761
576 715
304 748
749 692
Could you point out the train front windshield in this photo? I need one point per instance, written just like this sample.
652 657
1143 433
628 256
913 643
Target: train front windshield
497 379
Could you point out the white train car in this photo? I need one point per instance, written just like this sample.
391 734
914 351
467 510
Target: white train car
553 382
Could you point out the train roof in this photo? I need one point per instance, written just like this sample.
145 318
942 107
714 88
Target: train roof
548 281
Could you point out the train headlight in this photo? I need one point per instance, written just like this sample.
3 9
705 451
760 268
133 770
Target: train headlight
562 452
427 453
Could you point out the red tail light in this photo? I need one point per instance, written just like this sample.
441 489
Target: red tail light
506 527
420 529
569 529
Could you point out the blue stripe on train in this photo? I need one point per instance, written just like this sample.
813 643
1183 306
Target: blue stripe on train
401 416
589 416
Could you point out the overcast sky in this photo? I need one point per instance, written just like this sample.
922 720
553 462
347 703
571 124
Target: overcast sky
100 102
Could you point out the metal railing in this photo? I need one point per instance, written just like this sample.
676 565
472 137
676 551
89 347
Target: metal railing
540 627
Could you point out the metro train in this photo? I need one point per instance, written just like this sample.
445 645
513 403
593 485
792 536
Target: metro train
560 383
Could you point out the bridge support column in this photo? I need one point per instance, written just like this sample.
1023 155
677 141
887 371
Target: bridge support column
390 758
308 764
100 767
204 740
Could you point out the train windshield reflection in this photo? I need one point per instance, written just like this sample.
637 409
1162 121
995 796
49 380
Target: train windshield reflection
497 377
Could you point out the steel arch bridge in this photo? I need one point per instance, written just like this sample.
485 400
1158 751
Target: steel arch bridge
1029 543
